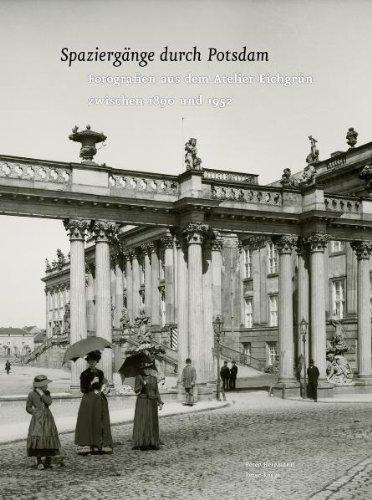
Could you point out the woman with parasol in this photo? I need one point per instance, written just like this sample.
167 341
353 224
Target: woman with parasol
93 432
146 420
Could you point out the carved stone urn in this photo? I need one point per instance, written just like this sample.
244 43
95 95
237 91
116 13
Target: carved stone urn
88 139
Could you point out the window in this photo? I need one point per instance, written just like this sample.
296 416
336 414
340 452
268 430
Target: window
337 246
247 258
248 313
273 310
247 348
271 353
273 258
338 298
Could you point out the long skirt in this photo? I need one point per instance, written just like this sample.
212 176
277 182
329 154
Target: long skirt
93 422
146 424
42 439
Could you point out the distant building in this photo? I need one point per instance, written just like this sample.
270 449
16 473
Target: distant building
15 342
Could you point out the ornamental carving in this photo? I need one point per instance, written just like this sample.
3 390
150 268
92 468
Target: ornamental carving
148 248
104 231
76 228
192 162
351 137
195 232
285 243
88 140
255 242
166 241
217 241
287 180
313 156
338 369
317 241
362 249
366 174
302 247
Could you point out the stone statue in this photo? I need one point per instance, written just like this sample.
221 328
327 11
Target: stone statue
192 162
287 180
338 369
351 137
308 175
124 320
366 174
313 156
48 267
66 319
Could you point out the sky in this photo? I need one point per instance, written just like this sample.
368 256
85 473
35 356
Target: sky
264 130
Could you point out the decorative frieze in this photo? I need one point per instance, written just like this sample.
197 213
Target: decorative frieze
362 249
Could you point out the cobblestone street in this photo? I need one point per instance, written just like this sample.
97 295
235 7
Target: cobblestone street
257 448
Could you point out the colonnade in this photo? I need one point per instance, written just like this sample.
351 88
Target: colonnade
192 280
57 296
311 302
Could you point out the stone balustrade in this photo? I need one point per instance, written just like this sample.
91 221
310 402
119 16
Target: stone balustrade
339 204
34 172
254 196
221 175
139 183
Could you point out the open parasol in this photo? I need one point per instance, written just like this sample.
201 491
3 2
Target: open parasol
83 347
133 364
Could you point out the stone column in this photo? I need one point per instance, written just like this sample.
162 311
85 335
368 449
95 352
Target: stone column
135 286
128 269
208 311
363 251
103 231
155 299
47 306
147 250
90 298
303 301
78 325
167 243
119 290
217 245
195 233
285 244
317 243
183 346
352 281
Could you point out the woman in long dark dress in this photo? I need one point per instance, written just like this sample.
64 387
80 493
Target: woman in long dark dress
93 432
146 420
42 439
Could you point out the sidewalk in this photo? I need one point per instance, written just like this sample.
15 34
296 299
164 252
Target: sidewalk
18 431
340 398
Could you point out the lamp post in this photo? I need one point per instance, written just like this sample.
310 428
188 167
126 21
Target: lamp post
217 328
303 331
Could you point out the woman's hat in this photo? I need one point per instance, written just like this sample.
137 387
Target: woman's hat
41 380
93 355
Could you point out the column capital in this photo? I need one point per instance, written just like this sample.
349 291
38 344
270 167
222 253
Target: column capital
317 242
76 228
104 230
217 242
362 249
166 240
195 232
255 242
148 248
302 247
285 243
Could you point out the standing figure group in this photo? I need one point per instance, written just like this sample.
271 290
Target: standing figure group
7 366
93 431
229 375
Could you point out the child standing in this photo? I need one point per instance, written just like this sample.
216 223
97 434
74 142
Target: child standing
42 440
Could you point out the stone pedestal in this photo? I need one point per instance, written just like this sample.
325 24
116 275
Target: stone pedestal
363 251
103 232
78 325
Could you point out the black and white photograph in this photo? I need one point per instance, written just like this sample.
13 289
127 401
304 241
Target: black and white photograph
185 249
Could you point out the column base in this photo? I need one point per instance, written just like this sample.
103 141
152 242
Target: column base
286 388
364 381
204 392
